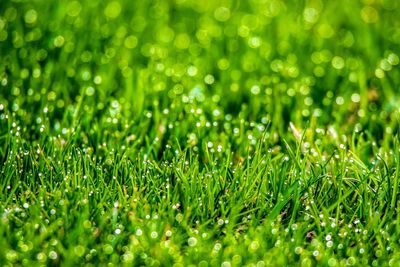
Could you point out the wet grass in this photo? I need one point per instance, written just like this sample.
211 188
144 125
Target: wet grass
205 133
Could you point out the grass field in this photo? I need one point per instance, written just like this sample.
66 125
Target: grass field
199 133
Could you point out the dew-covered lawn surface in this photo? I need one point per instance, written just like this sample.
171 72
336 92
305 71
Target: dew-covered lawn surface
199 133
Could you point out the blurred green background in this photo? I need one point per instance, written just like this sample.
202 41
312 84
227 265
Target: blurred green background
313 63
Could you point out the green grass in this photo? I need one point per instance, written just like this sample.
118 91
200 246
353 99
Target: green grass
199 133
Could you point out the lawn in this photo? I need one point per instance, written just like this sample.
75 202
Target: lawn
199 133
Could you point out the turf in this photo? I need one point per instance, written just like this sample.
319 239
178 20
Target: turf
199 133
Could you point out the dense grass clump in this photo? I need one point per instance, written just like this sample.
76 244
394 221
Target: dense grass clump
199 133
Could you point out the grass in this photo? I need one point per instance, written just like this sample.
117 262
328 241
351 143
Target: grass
199 133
